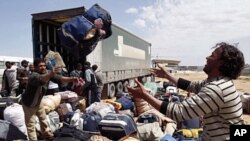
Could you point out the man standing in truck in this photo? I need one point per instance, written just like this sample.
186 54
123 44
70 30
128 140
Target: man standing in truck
36 89
90 86
99 77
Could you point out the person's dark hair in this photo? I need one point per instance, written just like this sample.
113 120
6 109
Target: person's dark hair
37 61
24 62
7 63
87 64
78 65
232 60
94 67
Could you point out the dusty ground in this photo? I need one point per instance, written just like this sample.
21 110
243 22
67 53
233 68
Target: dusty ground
242 84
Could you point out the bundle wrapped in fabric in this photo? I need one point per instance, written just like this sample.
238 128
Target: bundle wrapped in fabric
53 59
81 34
117 105
51 102
101 108
14 114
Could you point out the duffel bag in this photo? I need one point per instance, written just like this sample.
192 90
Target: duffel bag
71 133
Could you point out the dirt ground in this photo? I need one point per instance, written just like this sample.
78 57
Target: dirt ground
242 84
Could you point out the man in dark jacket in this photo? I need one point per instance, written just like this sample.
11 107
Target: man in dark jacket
5 84
22 76
31 99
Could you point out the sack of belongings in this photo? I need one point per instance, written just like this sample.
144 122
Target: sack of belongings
53 59
14 114
81 34
9 132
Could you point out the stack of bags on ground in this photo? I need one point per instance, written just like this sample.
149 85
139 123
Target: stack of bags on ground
112 119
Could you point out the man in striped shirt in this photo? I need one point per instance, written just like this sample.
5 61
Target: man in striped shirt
216 98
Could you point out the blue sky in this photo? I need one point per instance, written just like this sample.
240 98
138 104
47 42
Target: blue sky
178 29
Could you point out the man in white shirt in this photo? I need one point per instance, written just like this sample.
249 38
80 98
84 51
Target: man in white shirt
11 78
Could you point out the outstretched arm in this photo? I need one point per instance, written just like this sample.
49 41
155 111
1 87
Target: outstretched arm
179 82
162 73
140 92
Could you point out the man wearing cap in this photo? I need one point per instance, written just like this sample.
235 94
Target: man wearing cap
22 76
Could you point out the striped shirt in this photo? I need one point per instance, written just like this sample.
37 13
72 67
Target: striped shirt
217 101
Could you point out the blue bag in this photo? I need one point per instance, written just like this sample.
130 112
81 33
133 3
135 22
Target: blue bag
91 121
51 63
74 34
126 103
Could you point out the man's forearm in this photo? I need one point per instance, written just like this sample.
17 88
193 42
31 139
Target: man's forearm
47 76
67 79
171 78
156 103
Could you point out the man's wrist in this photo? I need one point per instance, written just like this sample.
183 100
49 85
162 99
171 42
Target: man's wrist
74 78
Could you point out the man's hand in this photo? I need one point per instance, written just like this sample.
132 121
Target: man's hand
137 92
76 80
161 72
56 69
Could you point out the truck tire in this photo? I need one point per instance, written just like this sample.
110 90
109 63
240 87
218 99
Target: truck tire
111 90
132 82
125 84
119 87
144 80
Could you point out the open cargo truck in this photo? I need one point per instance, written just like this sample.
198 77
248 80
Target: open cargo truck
122 57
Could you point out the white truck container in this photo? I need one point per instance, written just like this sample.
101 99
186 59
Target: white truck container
122 57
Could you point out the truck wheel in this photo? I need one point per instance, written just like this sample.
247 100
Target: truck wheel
132 82
144 80
119 87
125 84
111 90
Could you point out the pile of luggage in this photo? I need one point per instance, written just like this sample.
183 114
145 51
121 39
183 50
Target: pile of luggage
119 118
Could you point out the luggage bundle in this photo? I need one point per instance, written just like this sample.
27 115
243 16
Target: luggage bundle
115 126
9 132
4 102
53 59
81 34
